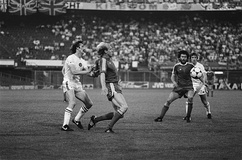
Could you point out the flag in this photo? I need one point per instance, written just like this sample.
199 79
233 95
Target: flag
52 7
22 7
3 5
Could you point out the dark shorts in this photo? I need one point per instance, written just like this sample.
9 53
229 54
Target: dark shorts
112 88
182 91
210 82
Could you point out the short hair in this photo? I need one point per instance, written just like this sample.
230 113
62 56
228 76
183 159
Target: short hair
194 54
75 45
101 48
183 52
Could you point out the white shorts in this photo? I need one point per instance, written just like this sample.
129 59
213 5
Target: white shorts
200 88
71 85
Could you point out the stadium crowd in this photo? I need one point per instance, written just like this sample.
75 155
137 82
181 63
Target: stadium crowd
147 37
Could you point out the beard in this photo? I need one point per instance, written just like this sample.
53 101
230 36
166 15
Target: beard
183 61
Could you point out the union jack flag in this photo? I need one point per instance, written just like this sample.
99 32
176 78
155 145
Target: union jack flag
22 7
3 5
52 7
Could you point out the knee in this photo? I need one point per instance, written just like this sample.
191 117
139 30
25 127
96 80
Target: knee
123 109
72 104
167 104
89 105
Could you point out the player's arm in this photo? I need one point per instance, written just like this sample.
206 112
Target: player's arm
63 70
173 77
103 84
102 76
78 72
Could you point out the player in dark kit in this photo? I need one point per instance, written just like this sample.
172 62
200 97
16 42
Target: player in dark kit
210 79
110 87
183 86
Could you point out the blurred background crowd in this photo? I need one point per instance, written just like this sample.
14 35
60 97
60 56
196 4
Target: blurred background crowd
151 39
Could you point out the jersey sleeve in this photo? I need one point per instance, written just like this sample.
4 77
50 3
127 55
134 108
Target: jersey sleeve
70 61
103 65
174 69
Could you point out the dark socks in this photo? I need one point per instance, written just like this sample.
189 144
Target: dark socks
115 118
163 111
107 116
189 109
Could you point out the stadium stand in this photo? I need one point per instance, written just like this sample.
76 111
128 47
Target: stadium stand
150 38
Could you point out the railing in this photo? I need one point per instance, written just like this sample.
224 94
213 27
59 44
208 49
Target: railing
9 79
55 78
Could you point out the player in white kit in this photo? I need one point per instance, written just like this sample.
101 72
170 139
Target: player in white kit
199 85
75 66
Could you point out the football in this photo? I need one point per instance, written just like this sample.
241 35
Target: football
196 73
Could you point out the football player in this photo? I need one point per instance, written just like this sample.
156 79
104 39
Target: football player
75 66
200 86
110 87
210 81
182 82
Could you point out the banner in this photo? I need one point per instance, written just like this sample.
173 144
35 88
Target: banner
166 6
52 7
130 84
3 5
227 86
22 7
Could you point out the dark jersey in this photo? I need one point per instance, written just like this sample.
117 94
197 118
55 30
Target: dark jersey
107 66
95 71
182 73
210 76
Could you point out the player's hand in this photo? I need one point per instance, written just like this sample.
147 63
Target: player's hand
175 84
89 69
104 91
120 84
119 81
206 85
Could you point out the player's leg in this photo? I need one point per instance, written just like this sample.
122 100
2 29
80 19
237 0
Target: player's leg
172 97
120 105
70 95
190 96
64 88
84 97
197 87
109 115
112 89
203 96
65 97
211 89
95 119
208 91
206 105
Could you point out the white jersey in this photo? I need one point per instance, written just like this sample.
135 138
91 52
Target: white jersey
201 67
79 64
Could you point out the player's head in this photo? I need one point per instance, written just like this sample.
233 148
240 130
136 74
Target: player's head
194 58
209 68
102 48
75 45
183 56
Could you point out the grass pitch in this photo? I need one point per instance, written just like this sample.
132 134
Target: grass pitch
31 119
